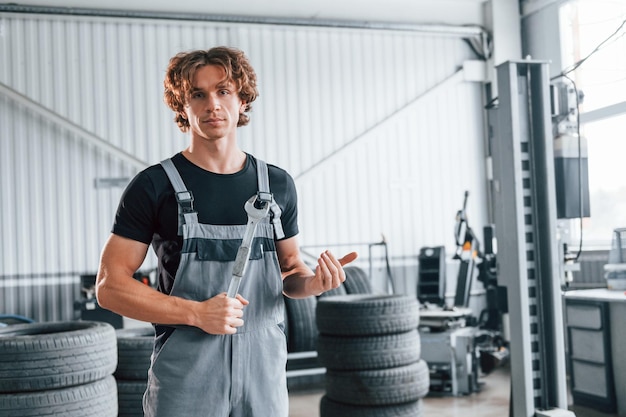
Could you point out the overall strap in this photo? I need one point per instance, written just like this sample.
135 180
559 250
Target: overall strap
184 197
266 196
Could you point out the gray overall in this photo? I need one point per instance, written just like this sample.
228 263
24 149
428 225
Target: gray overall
242 375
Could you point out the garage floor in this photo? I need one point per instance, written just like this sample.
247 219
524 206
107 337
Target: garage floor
491 401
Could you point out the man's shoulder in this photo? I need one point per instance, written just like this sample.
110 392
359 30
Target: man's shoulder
280 179
278 171
158 171
153 179
273 170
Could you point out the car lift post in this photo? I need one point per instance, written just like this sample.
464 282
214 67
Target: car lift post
524 207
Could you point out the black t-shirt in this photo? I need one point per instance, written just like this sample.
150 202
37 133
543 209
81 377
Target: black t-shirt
148 211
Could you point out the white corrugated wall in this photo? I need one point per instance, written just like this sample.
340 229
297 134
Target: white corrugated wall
380 134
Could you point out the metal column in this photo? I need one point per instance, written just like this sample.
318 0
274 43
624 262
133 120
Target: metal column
524 209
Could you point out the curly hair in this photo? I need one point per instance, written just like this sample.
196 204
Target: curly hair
183 66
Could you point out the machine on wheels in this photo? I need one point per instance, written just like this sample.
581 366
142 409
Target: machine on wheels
455 343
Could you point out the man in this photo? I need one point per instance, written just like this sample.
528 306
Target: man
213 355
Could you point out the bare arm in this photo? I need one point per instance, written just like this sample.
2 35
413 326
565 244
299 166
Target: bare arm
118 291
299 281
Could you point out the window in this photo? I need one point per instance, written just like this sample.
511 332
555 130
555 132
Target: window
594 50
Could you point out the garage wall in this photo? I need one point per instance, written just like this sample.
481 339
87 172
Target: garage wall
380 128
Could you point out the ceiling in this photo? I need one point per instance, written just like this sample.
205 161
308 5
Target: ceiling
453 12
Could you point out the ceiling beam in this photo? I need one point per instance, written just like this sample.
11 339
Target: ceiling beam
71 127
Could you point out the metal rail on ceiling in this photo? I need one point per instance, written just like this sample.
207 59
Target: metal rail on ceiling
461 31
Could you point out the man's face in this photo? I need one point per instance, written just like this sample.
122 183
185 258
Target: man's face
213 105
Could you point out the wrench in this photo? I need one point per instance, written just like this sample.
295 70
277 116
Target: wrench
255 215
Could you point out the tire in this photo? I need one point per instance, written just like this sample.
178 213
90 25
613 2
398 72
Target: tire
302 333
330 408
130 398
371 352
398 385
43 356
95 399
134 350
367 314
357 281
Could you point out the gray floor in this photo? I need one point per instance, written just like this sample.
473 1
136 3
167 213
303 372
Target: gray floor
491 401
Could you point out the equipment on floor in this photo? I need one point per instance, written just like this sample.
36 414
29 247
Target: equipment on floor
467 252
431 280
455 344
452 359
491 317
435 314
446 331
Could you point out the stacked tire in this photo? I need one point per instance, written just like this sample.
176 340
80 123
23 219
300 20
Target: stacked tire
370 347
301 332
134 350
58 369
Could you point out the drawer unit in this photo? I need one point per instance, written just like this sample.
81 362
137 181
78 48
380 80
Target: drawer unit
589 342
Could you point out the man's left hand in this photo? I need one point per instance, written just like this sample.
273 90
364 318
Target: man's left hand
329 273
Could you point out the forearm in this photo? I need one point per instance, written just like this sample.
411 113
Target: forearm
118 291
128 297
